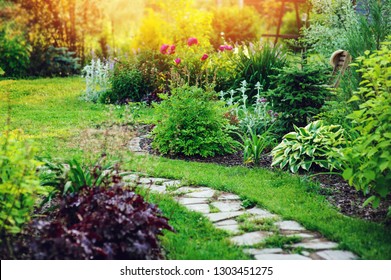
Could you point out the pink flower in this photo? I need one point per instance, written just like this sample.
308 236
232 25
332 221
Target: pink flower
222 48
177 60
163 49
225 48
204 57
171 49
192 41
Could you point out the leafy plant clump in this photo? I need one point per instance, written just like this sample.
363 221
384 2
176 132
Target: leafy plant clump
309 146
368 160
192 122
126 84
100 223
19 183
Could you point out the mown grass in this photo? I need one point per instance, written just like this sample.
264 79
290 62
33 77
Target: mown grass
51 112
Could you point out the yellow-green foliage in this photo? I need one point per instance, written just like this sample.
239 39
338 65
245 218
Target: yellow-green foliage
173 22
19 183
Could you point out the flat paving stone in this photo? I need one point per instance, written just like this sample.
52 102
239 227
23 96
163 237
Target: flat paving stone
201 208
228 206
230 228
280 257
336 255
253 251
227 223
289 225
185 190
250 238
316 244
261 213
156 188
216 217
302 235
192 200
172 183
151 180
228 196
205 194
130 178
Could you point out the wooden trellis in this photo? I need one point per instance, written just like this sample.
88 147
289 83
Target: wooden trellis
281 15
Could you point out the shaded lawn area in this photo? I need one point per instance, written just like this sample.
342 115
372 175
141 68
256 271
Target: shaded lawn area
51 112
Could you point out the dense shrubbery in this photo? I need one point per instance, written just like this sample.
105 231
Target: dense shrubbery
99 223
19 183
368 159
299 94
192 122
126 84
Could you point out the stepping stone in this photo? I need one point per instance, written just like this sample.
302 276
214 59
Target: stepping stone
130 178
158 189
201 208
216 217
230 228
228 206
185 190
280 257
336 255
262 214
228 196
147 181
302 235
316 244
172 183
250 238
289 225
191 200
227 223
263 251
201 194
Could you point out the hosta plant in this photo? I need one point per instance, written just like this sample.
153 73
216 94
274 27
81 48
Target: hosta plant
309 147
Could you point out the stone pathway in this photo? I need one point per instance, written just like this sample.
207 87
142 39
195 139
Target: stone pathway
249 228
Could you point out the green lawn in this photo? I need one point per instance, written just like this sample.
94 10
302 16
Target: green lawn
51 112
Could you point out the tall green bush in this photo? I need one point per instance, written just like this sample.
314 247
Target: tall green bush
19 183
191 122
368 159
299 94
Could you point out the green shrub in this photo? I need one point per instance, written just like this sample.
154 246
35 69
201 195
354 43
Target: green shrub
14 54
309 146
235 25
299 94
19 183
368 159
191 122
51 61
126 84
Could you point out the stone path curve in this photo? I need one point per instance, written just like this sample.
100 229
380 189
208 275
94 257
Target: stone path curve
248 227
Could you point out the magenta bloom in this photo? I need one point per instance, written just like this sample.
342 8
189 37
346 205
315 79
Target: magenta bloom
163 49
204 57
177 60
225 48
192 41
171 49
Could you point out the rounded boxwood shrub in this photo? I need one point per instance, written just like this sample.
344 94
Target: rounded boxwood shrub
192 122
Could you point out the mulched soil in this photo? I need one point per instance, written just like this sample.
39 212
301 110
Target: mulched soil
345 198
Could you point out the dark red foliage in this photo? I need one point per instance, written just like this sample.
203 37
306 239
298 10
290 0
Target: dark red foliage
100 223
